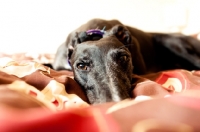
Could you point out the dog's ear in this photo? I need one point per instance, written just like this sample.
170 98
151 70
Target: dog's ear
64 52
125 37
77 38
73 39
122 33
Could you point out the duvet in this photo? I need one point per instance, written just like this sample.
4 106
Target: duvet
34 97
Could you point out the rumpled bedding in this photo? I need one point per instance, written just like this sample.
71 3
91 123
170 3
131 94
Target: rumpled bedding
33 97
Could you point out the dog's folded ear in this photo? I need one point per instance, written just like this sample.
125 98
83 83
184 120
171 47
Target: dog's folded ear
82 36
73 40
124 36
122 33
90 35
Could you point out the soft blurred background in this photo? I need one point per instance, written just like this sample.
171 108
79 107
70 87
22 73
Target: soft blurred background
40 26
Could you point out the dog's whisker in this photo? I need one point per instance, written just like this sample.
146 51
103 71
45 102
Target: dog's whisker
125 46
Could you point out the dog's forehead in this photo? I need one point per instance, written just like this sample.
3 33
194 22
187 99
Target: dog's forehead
86 48
85 51
94 49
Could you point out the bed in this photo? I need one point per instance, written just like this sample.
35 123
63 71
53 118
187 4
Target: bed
34 97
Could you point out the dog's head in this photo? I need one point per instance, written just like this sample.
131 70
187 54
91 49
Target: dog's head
77 36
104 69
102 65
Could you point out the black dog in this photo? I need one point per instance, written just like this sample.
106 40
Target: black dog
102 65
104 69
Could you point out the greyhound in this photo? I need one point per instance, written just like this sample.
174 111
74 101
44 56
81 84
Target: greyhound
103 60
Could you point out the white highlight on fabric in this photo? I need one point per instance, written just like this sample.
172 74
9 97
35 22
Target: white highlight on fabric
126 103
15 68
23 87
56 91
175 83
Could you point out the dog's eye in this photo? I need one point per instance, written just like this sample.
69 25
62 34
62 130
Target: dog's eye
82 66
123 58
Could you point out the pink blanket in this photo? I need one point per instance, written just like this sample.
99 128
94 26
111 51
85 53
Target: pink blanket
34 97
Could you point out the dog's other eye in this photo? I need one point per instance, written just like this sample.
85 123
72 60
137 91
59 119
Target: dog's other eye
82 66
122 58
